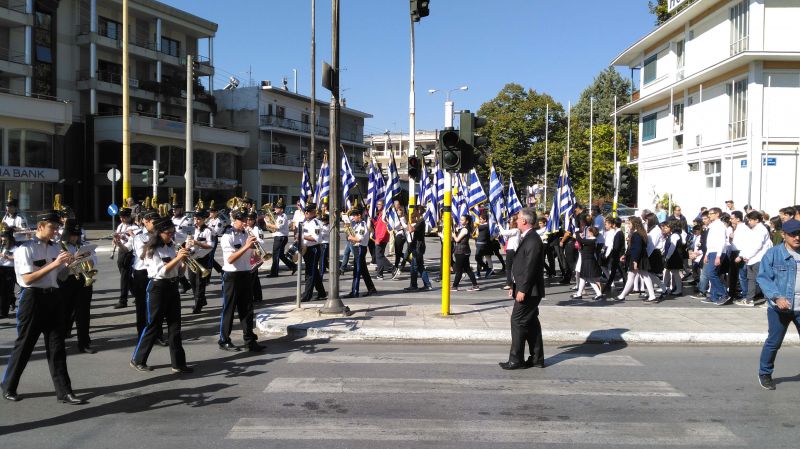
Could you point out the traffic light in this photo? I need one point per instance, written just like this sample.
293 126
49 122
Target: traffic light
608 181
469 123
161 178
419 9
450 150
625 178
413 168
146 177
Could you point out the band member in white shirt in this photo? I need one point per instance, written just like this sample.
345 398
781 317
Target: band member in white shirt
7 278
360 241
183 227
164 266
280 236
237 284
218 226
76 295
324 242
37 263
252 228
311 231
16 222
125 231
201 242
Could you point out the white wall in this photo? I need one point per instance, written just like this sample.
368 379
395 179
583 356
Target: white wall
782 104
782 32
711 42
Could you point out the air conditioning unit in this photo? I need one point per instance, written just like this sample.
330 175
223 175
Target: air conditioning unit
266 83
698 140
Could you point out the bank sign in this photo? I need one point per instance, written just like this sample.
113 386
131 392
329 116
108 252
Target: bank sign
672 4
33 174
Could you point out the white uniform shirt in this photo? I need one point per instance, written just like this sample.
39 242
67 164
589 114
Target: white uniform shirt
32 256
156 264
324 233
231 242
655 240
17 222
311 228
512 238
183 225
717 240
282 224
362 232
758 242
8 262
298 217
203 235
136 244
608 241
217 225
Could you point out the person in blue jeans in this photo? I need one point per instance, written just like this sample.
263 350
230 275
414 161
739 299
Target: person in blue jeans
778 279
716 258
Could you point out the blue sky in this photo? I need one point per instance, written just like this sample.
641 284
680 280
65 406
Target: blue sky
555 46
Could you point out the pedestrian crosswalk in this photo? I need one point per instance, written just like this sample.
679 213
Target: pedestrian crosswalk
359 380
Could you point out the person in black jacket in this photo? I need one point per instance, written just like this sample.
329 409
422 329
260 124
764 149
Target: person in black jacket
636 257
615 248
527 292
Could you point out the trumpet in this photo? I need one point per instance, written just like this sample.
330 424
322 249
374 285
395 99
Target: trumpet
195 266
261 255
81 267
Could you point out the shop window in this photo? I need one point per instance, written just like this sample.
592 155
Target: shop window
142 154
226 165
172 161
30 149
204 163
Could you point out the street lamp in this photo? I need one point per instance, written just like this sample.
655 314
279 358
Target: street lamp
448 105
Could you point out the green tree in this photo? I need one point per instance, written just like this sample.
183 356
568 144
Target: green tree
516 132
659 9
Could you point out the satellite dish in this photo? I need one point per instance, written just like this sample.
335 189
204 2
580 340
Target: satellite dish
233 83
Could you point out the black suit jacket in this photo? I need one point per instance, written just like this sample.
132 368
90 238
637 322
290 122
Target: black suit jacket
528 268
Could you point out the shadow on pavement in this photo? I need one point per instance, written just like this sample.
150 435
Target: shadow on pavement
592 346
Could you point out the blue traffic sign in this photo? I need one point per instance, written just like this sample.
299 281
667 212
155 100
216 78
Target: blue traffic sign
770 161
112 210
743 163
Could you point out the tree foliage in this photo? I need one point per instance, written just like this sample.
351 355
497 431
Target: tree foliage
659 9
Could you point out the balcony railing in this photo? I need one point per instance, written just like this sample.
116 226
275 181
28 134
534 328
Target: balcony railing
6 54
292 124
292 160
32 95
14 5
83 29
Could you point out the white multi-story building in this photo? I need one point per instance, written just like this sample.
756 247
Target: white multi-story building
279 123
719 105
381 146
61 102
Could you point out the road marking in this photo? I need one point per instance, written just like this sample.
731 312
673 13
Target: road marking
449 358
557 387
611 434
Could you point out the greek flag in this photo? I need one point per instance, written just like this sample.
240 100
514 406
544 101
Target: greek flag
431 213
512 200
563 203
348 179
305 187
458 207
372 189
438 187
323 182
497 218
393 184
476 195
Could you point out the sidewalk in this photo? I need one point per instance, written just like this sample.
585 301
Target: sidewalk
383 320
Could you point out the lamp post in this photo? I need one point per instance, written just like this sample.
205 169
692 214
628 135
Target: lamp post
448 105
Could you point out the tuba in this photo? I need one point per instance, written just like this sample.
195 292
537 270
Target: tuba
269 215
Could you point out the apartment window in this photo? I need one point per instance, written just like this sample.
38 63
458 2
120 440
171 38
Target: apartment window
226 165
680 56
740 27
280 111
677 114
304 118
694 166
270 194
204 164
109 28
170 46
649 127
650 66
44 52
713 174
172 160
109 72
30 149
737 126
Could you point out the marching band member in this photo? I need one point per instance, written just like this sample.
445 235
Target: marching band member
360 241
218 226
237 284
202 241
311 231
125 230
253 229
77 296
164 265
183 227
416 228
16 222
37 263
280 236
140 280
324 241
7 279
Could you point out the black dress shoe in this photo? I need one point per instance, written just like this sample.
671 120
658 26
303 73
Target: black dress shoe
197 310
350 295
182 370
71 399
321 297
255 347
120 305
531 364
411 289
272 275
11 396
162 341
87 349
370 293
228 347
140 367
511 365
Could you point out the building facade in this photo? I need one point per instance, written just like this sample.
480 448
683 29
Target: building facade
381 146
279 124
68 53
719 105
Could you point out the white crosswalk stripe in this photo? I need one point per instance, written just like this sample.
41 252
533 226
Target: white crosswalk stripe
449 358
556 387
609 434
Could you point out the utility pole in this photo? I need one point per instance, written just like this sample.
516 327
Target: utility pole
189 174
334 304
126 108
412 150
312 154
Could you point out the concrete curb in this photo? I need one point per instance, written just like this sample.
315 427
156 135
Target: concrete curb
351 333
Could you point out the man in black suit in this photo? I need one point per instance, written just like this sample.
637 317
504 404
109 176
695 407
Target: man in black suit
527 291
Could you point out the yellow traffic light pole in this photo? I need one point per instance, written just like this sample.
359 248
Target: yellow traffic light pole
447 223
126 109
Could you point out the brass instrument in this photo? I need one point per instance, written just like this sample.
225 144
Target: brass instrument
81 267
260 253
211 205
269 215
174 199
195 266
57 202
348 229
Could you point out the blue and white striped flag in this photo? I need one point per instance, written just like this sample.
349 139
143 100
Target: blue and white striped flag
459 203
512 200
323 188
431 215
497 218
438 187
476 195
372 189
305 187
348 180
566 198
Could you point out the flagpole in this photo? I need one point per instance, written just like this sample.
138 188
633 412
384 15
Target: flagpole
569 122
546 141
591 147
616 169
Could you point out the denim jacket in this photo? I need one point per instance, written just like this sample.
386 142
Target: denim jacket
776 275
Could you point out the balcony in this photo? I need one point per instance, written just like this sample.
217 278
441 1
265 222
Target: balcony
12 62
141 48
302 128
110 128
283 159
39 108
12 13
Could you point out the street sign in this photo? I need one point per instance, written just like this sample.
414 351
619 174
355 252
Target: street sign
113 175
112 210
770 161
743 163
